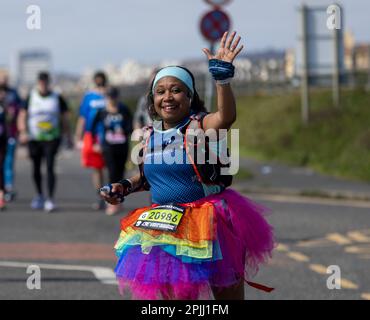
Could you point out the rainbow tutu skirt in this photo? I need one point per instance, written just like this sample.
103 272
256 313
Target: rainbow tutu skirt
221 239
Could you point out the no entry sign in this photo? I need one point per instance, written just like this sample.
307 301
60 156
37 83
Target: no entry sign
214 24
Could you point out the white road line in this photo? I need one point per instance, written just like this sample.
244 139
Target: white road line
104 275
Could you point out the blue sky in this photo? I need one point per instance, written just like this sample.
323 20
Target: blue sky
94 32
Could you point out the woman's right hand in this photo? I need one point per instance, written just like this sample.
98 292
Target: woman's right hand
116 188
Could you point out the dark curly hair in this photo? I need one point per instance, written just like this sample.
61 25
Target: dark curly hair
197 105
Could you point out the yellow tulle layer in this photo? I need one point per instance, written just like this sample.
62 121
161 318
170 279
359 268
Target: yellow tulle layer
202 249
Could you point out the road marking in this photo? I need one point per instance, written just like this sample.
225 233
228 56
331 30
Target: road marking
364 256
319 268
352 249
365 296
298 256
344 283
309 200
104 275
356 249
314 243
282 247
358 236
347 284
338 238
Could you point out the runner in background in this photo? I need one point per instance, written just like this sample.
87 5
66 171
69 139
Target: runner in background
141 115
41 123
92 102
13 103
3 141
116 121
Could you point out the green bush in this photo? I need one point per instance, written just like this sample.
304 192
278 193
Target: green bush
336 141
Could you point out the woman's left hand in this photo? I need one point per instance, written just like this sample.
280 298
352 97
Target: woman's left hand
228 49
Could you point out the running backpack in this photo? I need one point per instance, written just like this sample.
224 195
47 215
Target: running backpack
208 172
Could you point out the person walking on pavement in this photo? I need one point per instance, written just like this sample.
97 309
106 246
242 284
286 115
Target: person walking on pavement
41 123
116 121
93 101
13 104
3 141
198 236
141 115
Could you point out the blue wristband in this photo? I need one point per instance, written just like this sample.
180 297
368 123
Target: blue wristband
221 70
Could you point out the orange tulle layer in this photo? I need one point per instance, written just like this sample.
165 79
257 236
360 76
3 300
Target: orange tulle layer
198 223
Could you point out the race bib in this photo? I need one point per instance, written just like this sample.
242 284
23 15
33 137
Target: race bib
164 218
45 126
115 138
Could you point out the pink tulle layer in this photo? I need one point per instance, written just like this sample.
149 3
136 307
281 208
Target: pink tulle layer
245 238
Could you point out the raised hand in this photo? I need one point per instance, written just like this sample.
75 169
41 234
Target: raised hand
228 49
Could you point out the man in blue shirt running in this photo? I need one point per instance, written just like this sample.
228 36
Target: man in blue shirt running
92 102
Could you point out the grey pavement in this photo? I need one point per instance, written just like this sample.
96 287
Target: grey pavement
276 178
73 242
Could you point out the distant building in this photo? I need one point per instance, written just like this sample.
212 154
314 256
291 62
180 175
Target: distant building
290 63
357 56
362 57
349 46
265 66
128 73
26 64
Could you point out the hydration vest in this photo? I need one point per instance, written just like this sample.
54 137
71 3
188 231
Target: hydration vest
209 172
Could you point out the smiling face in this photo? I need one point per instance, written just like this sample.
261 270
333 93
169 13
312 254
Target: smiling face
171 101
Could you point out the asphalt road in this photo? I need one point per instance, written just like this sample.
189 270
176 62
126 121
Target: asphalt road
74 246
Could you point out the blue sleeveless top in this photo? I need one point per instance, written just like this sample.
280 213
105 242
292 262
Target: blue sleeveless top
168 170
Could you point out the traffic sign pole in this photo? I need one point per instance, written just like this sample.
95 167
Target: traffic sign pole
213 25
305 108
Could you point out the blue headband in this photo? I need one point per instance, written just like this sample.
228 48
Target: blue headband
175 72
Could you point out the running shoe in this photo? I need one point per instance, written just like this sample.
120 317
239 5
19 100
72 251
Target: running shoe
49 206
2 204
10 196
37 203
